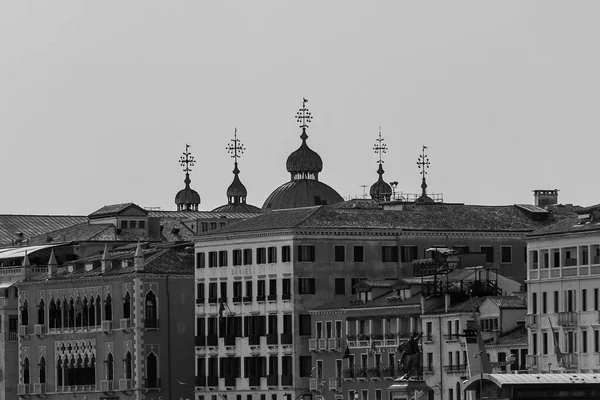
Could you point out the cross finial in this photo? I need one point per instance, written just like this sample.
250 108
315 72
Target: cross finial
380 147
303 116
187 160
235 148
423 163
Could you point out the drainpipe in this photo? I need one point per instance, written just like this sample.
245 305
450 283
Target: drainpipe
441 359
169 339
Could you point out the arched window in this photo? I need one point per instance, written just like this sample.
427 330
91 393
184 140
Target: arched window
59 373
42 366
26 376
109 367
150 317
57 314
52 314
65 316
92 312
41 312
72 313
151 371
458 396
127 306
25 314
80 372
72 372
92 374
98 311
127 365
78 313
108 308
86 311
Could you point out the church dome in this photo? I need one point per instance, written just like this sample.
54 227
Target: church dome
187 196
381 190
238 208
237 188
301 193
304 160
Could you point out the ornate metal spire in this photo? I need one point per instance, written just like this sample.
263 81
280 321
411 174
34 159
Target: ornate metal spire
187 161
236 149
304 117
423 165
380 147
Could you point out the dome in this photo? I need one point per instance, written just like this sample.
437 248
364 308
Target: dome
381 190
237 188
301 193
304 160
237 208
187 196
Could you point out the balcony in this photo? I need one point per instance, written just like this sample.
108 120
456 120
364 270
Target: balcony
272 380
261 298
125 324
451 337
212 381
286 296
247 299
349 374
287 380
374 373
200 301
254 381
272 297
286 338
531 321
107 386
212 300
200 381
360 373
13 336
568 318
39 330
388 373
335 384
23 330
333 344
125 385
237 299
455 368
39 388
322 344
316 384
24 389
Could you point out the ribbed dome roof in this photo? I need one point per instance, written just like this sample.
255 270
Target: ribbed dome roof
187 195
301 193
380 190
237 188
304 160
237 208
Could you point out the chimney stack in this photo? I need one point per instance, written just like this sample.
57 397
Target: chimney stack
104 261
138 258
544 198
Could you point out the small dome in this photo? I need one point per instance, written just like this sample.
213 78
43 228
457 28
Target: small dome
187 196
237 188
304 160
381 190
301 193
238 208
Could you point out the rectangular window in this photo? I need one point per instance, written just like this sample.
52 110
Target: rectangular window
286 254
409 253
340 285
544 303
273 287
506 254
247 256
123 224
272 255
212 292
556 302
534 343
261 290
340 253
583 299
249 290
596 299
224 291
286 288
306 253
200 260
261 255
212 259
359 254
237 291
489 253
223 258
305 323
534 309
199 293
306 285
461 248
142 225
596 341
545 343
305 366
584 345
237 257
389 254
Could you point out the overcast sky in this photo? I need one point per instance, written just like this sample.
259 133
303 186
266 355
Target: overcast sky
98 99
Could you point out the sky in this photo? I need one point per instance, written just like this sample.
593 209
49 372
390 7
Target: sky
98 99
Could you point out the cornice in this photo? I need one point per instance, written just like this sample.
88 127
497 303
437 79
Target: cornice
110 278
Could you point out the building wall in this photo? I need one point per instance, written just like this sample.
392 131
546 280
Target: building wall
9 348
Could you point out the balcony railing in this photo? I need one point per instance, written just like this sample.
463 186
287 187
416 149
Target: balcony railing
322 344
23 330
13 336
39 388
237 299
247 299
272 297
335 384
454 368
333 344
571 360
313 345
531 320
349 373
107 386
286 296
568 318
451 337
24 389
125 384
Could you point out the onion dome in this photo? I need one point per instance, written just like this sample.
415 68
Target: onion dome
187 198
381 190
304 188
236 192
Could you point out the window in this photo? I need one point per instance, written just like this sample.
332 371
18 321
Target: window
152 371
272 255
286 288
261 255
584 345
544 303
489 253
142 225
340 253
534 343
305 324
237 257
306 285
224 291
556 301
151 317
41 312
409 253
596 341
247 256
273 287
583 299
506 254
123 224
248 290
534 303
237 291
389 254
359 254
212 259
132 224
200 260
306 253
596 299
261 291
223 258
107 309
340 285
545 343
286 254
127 306
212 292
305 366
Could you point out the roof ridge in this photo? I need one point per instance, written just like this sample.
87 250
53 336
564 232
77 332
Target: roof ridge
316 208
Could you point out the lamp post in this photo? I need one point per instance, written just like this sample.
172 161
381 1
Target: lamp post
320 381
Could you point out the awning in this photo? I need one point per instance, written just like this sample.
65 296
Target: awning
19 252
501 380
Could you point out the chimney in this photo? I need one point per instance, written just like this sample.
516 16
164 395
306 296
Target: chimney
52 265
544 198
104 261
447 301
138 258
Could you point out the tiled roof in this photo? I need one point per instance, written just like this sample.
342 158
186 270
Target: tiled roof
377 284
188 215
517 336
507 301
437 217
237 208
463 306
521 295
113 209
358 203
351 303
174 230
33 225
86 232
532 209
569 225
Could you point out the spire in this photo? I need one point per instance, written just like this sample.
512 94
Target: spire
138 258
380 190
52 264
423 165
187 198
304 163
26 262
236 192
304 117
104 260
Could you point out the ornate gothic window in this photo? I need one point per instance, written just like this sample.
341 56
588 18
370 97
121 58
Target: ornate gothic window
127 306
41 312
25 314
151 317
109 367
152 371
98 311
65 314
26 375
127 365
108 308
52 314
92 312
59 373
57 315
71 313
86 310
42 366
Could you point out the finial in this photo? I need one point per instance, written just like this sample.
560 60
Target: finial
26 262
187 161
423 165
380 147
304 117
235 148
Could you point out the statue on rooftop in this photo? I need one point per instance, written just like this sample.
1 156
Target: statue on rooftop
411 357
